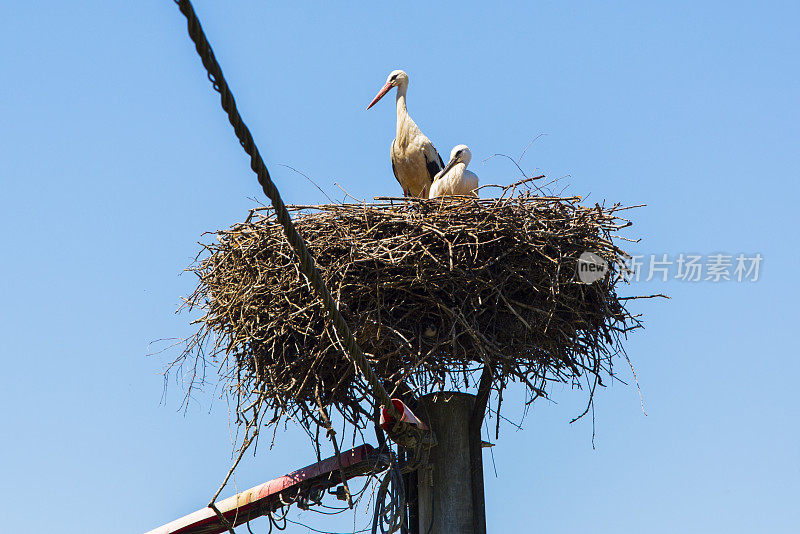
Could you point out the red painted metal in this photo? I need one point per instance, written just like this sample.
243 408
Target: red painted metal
259 500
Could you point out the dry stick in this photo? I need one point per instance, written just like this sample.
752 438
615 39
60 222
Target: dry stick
211 504
309 179
529 145
636 379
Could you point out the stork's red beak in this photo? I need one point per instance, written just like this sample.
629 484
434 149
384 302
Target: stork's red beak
380 94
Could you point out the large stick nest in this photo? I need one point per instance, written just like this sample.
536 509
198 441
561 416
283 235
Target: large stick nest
433 290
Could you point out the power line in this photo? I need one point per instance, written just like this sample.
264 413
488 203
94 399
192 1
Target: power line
307 263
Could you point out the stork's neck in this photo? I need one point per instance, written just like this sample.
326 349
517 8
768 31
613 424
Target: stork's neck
402 111
458 170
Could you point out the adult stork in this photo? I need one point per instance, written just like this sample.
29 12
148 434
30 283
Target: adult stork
414 159
455 179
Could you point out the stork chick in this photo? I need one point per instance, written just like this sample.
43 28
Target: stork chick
455 179
415 161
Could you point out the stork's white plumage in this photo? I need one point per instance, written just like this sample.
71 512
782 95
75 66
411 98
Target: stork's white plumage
455 179
415 161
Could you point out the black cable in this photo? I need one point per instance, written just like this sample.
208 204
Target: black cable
390 519
325 531
274 522
307 264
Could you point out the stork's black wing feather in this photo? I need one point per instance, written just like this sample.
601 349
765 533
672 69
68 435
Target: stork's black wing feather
434 166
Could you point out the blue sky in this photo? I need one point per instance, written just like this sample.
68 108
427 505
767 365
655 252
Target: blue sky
116 158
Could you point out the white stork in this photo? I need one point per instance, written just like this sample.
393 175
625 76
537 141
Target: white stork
414 159
455 179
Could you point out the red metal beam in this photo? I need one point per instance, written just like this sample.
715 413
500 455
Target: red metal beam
264 498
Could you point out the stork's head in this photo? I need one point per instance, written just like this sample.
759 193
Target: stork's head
395 79
459 154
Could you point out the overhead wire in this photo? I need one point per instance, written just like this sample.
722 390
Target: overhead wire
307 263
388 518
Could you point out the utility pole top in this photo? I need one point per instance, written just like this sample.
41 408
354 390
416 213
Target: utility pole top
450 487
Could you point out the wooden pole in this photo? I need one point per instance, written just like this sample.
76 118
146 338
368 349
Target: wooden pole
449 501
